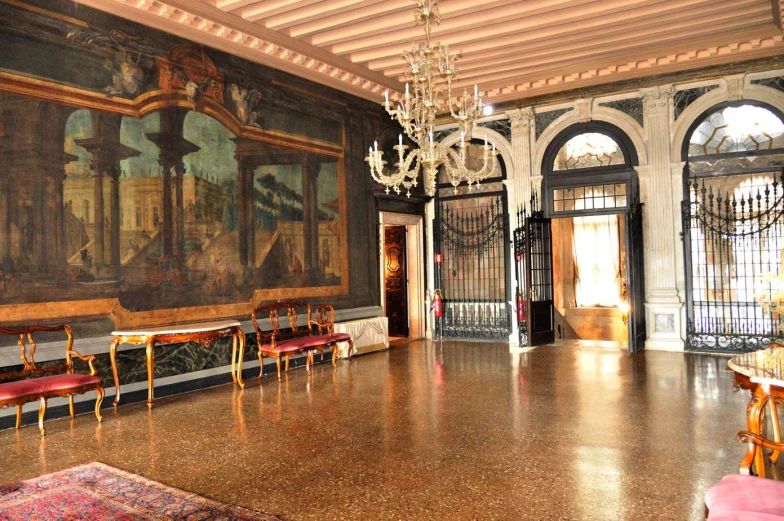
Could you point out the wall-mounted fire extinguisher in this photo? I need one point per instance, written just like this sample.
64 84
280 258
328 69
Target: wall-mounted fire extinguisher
438 304
520 307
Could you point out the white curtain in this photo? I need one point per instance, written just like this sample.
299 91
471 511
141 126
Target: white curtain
596 261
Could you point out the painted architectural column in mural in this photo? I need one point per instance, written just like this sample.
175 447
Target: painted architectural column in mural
5 214
662 302
245 170
310 173
173 148
107 153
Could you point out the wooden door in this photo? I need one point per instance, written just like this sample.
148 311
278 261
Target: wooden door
396 280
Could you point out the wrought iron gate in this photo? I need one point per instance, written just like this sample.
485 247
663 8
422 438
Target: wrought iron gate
472 238
733 238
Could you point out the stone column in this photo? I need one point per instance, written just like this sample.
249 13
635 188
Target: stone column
6 215
518 185
243 166
114 239
179 214
310 171
663 306
168 159
519 181
98 211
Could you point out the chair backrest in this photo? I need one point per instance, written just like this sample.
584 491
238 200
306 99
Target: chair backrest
273 311
325 319
27 355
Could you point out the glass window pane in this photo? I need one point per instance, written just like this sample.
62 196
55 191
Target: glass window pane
598 203
589 204
557 195
620 202
579 204
609 202
558 206
745 128
568 193
588 150
609 189
620 189
568 206
579 193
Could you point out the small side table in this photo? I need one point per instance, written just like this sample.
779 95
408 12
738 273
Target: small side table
205 333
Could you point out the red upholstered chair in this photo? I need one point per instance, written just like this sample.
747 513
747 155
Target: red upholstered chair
325 322
746 497
40 383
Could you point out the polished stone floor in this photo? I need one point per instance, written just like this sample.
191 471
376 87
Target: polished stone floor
431 431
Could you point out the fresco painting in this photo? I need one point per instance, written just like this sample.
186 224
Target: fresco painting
198 196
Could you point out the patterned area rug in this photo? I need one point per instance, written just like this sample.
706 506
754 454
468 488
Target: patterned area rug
99 492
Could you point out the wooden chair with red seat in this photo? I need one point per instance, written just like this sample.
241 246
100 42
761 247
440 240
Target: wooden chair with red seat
29 385
746 497
325 323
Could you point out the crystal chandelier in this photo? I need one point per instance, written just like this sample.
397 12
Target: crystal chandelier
416 113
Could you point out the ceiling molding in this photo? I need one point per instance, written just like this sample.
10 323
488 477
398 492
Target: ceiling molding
514 49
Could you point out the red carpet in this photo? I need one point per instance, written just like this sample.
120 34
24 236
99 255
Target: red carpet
99 492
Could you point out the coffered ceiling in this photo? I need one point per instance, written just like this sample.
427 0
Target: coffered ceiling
512 48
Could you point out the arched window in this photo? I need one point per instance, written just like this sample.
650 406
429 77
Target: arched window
733 129
733 224
589 168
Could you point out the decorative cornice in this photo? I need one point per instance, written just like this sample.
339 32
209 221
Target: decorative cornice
253 42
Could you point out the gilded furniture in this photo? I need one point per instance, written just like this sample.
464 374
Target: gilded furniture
41 383
742 496
761 373
205 333
279 344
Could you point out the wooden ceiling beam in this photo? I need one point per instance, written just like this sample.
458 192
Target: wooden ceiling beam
665 28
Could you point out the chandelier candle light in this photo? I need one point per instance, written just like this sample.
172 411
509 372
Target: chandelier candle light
416 113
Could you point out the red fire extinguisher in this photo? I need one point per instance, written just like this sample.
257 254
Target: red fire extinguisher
438 305
520 308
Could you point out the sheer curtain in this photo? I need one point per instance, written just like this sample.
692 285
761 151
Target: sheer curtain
596 261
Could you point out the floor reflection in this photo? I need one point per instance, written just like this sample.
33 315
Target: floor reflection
433 430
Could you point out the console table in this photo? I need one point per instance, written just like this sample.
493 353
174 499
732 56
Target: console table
204 333
762 373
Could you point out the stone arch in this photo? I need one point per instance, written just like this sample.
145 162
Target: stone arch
501 144
625 123
750 92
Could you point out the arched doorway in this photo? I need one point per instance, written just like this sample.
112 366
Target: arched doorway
590 211
733 229
471 242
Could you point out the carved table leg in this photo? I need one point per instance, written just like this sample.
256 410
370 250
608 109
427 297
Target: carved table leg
99 394
150 370
774 418
113 356
241 341
234 357
41 413
754 420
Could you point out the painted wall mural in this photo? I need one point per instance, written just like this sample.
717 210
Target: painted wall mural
147 179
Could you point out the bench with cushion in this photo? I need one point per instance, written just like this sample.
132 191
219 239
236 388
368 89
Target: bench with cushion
34 383
747 497
316 335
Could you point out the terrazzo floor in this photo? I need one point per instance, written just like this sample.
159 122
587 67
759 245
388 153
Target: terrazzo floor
427 430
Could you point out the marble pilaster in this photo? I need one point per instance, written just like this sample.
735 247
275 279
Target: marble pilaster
662 303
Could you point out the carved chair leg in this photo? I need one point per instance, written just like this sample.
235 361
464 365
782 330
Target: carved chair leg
287 363
18 416
41 413
99 394
234 358
277 362
334 355
308 361
774 419
321 351
261 364
350 348
71 405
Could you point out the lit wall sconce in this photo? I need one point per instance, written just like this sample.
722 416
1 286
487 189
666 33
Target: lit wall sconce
624 309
